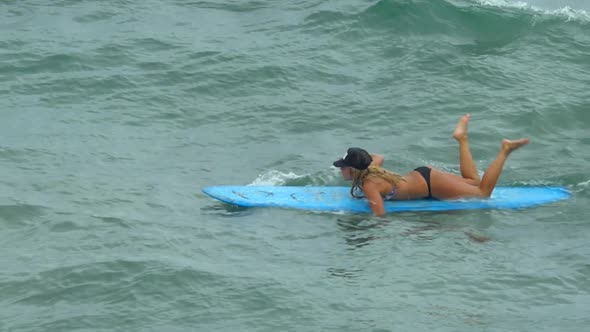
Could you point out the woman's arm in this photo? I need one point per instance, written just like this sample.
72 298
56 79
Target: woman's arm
377 159
373 195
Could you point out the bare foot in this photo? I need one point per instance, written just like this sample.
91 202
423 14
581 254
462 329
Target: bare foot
509 146
460 132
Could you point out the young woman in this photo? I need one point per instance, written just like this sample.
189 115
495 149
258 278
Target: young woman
379 184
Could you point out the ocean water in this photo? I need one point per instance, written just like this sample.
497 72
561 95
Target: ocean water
115 113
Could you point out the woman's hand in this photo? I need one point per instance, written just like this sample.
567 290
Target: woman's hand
377 159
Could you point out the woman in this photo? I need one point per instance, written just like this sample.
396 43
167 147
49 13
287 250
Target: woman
377 183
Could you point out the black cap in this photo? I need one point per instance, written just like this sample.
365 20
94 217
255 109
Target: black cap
355 158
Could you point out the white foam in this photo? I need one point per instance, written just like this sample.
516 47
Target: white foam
571 14
504 3
274 178
567 12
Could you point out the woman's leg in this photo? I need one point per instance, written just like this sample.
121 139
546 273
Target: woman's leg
468 168
450 186
493 172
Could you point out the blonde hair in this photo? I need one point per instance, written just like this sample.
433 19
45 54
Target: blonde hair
359 177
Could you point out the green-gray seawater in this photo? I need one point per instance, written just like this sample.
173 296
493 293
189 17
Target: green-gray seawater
116 113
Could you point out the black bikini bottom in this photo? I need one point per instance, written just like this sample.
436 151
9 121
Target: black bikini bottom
425 172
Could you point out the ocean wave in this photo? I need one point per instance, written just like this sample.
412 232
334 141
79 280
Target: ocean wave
19 214
567 12
278 178
461 17
104 280
275 178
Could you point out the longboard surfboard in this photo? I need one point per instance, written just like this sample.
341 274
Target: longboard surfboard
334 198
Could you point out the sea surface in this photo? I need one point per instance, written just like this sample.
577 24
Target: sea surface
114 115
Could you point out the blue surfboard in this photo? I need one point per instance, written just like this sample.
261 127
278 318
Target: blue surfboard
338 198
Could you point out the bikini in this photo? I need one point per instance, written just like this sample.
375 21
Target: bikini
391 195
425 172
